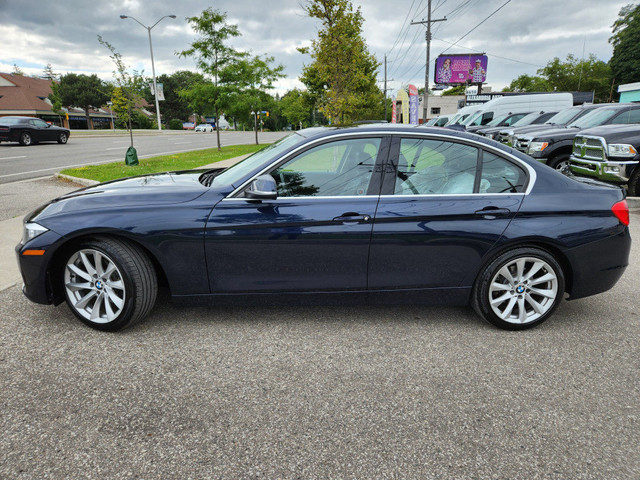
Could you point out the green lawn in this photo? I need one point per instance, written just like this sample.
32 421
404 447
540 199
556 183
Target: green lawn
165 163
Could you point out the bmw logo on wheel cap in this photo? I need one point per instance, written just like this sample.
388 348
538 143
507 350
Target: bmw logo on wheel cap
520 289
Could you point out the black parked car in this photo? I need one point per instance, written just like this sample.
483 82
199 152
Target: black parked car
371 214
560 119
30 130
533 118
554 146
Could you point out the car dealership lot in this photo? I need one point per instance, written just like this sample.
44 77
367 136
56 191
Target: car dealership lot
323 392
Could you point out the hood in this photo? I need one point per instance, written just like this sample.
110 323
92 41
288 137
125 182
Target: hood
615 133
149 190
553 134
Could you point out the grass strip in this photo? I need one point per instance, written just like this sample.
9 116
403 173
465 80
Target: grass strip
162 163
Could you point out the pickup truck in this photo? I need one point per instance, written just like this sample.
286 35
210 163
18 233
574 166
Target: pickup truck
610 154
554 146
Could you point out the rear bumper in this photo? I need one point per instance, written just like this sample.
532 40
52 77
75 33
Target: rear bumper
598 266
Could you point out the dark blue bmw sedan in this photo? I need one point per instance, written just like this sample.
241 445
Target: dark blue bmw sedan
371 214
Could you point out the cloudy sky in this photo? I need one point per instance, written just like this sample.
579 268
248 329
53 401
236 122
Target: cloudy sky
520 38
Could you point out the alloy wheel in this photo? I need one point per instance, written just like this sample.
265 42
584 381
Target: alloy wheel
523 290
94 286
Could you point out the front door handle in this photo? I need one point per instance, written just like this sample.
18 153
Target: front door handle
352 217
493 212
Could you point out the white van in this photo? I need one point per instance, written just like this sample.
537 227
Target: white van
501 106
462 114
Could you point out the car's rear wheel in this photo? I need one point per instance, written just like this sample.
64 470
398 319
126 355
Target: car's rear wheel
109 284
519 289
62 138
26 139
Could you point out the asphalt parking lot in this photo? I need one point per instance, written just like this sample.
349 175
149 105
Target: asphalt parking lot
323 392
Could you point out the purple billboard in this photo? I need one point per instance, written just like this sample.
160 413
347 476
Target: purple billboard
467 68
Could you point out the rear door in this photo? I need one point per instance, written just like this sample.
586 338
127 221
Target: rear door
444 204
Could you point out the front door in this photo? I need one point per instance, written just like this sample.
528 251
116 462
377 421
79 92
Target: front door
314 237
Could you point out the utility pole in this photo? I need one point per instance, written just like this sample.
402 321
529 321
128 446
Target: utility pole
385 88
428 22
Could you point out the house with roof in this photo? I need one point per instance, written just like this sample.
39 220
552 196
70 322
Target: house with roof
28 96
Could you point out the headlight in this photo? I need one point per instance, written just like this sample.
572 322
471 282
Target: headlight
622 150
31 231
537 146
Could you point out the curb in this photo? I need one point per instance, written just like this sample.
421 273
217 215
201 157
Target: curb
80 181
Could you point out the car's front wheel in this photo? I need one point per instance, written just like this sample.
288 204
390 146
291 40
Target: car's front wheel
26 139
62 138
109 284
519 289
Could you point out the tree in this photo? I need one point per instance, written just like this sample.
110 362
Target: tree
17 70
174 105
572 74
80 91
528 83
253 76
215 57
48 73
457 90
625 38
128 88
295 108
342 75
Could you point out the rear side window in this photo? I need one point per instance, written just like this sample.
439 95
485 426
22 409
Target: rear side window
500 176
434 167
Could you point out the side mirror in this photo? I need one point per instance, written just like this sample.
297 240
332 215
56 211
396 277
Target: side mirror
262 188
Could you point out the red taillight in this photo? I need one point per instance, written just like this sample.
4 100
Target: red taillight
621 211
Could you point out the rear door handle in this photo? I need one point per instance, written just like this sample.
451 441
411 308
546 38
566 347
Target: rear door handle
493 212
352 217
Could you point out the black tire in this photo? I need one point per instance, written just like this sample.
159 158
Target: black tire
634 183
62 138
26 139
134 274
559 162
484 289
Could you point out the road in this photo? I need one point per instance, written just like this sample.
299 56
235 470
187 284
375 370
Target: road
323 392
21 163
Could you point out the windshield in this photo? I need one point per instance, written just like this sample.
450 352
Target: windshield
233 175
565 116
594 118
496 121
471 119
431 122
526 120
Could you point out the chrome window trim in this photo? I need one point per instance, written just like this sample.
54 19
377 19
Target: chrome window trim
382 133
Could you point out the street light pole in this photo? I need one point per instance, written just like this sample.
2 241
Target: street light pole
153 68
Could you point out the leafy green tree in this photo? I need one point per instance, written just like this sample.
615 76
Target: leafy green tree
457 90
528 83
295 108
48 73
625 61
127 92
342 75
174 105
214 57
253 76
79 91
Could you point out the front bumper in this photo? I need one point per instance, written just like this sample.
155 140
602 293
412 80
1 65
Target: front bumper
35 271
608 171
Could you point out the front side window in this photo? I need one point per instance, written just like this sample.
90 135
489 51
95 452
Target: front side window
429 167
340 168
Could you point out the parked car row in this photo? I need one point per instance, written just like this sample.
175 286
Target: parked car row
601 141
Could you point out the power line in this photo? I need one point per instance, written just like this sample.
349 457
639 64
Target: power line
490 54
402 28
487 18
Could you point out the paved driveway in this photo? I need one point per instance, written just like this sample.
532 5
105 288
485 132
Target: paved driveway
330 392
